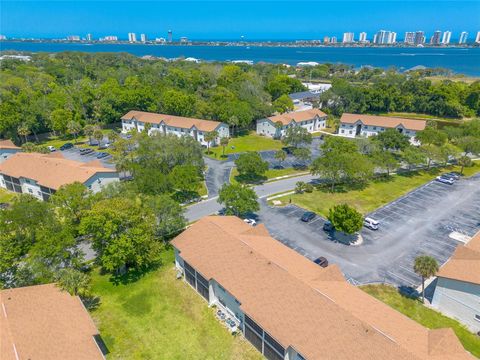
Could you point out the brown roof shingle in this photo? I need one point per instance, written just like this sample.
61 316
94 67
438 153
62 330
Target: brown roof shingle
297 116
50 170
300 304
8 144
384 121
172 120
464 265
43 323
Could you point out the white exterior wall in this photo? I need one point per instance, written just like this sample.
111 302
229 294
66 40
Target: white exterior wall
349 130
460 300
99 180
223 130
267 127
6 153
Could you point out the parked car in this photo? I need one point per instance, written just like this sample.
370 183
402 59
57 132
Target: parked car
250 222
323 262
51 148
327 226
86 151
307 216
102 155
104 146
371 223
445 180
66 146
452 176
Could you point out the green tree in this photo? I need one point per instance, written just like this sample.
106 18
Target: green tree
283 104
391 139
345 218
250 165
98 135
59 118
385 160
280 155
24 130
238 199
464 161
278 129
71 201
300 187
302 154
209 138
448 152
224 143
413 156
74 128
431 152
425 266
169 216
89 130
185 178
123 233
283 84
74 282
431 136
296 136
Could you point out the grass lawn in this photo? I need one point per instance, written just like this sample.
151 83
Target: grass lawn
159 317
270 174
374 195
6 196
423 315
250 142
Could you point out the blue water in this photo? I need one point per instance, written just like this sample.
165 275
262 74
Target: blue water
459 60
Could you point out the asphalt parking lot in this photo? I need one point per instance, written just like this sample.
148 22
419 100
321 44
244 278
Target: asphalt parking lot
74 154
421 222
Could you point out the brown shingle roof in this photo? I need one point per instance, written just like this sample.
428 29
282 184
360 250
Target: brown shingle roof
171 120
8 144
43 323
297 116
50 170
300 304
464 265
384 121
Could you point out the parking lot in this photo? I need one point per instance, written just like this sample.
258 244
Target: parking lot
74 154
419 223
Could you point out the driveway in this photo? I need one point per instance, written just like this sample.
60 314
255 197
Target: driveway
419 223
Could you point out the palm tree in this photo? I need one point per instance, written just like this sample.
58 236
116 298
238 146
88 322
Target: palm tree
23 130
74 128
89 130
73 281
464 161
425 266
98 135
209 137
280 155
224 142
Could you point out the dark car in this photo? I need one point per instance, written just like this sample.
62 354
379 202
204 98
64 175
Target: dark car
328 226
101 155
452 176
307 216
323 262
85 151
66 146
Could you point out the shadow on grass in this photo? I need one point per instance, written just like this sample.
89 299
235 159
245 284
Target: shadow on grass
132 275
186 196
250 179
340 188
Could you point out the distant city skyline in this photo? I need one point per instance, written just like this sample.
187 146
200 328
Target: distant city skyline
230 20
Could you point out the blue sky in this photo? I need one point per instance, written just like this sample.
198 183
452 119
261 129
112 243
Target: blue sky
232 19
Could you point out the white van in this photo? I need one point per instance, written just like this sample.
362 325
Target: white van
371 223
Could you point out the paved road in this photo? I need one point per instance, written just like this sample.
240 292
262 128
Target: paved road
418 223
210 206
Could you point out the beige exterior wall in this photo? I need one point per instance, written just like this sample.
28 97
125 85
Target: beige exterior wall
267 128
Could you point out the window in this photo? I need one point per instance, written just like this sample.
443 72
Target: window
202 290
202 280
30 191
253 325
253 338
274 344
350 131
190 278
271 354
188 267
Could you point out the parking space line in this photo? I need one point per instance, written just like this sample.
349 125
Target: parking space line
406 269
400 277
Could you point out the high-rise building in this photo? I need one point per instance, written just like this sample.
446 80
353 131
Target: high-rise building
160 40
447 35
333 40
143 38
363 37
348 37
385 37
132 37
477 38
435 39
409 38
3 37
73 38
88 37
463 37
109 38
170 36
419 38
183 40
326 39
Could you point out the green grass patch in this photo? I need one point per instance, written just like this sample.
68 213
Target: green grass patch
243 143
429 318
371 196
159 317
6 196
235 177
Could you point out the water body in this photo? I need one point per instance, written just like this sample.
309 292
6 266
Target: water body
459 60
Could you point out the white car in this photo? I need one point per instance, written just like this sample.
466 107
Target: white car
445 180
250 222
51 148
371 223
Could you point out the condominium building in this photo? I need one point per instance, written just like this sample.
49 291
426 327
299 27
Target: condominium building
7 149
288 307
447 35
333 40
419 38
183 40
477 38
170 36
348 37
175 125
326 39
109 38
73 38
43 322
41 175
409 38
276 126
435 39
143 38
355 125
3 37
384 37
132 37
88 37
463 37
362 37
